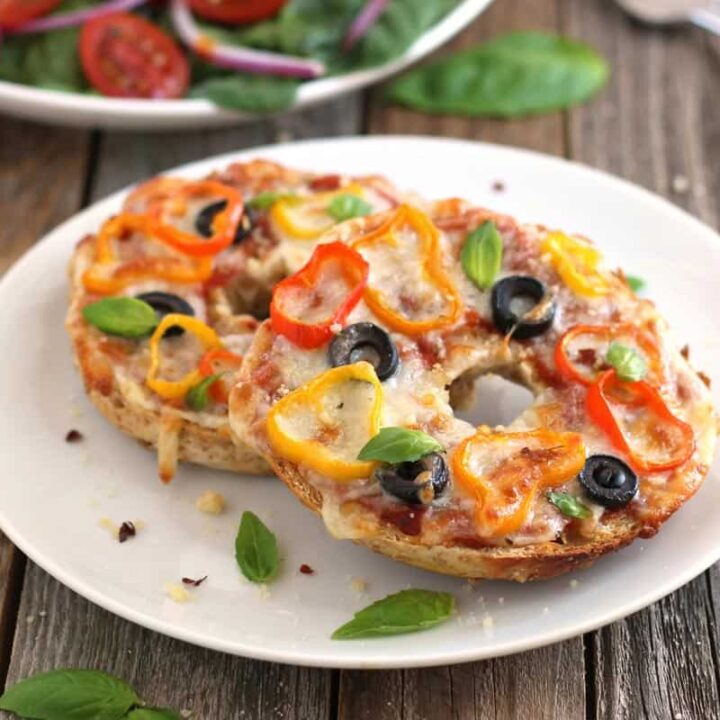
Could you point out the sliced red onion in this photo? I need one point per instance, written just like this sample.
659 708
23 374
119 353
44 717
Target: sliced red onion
364 21
231 57
71 19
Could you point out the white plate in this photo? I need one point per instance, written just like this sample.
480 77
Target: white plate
59 108
52 494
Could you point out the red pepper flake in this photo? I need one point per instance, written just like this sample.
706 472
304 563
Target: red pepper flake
194 583
306 569
498 186
74 436
587 356
705 378
326 182
127 530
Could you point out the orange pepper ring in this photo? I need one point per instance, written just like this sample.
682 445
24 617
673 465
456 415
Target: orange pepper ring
217 390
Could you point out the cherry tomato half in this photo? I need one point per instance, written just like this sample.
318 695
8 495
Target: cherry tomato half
17 12
236 12
125 56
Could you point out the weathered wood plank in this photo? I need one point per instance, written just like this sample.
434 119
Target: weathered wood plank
539 133
657 125
546 683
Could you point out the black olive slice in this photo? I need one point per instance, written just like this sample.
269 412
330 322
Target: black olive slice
528 322
365 341
204 219
608 481
165 304
415 483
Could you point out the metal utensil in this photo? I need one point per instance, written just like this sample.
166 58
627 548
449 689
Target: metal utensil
704 13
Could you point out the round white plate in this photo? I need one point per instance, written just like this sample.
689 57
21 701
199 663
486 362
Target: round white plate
59 108
53 494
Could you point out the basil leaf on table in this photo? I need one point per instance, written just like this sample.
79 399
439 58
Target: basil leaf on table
512 76
249 93
482 254
122 316
256 549
569 505
347 206
404 612
70 695
197 396
152 714
629 365
397 444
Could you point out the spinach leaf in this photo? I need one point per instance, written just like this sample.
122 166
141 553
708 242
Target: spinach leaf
153 714
250 93
514 75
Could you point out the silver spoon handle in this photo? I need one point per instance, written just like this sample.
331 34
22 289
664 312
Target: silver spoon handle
707 19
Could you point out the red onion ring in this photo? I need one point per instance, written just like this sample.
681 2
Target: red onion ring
365 19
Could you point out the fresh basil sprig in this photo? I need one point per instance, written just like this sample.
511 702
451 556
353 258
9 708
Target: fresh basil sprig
196 397
397 444
256 549
347 206
122 316
482 254
636 283
511 76
404 612
70 695
569 505
629 365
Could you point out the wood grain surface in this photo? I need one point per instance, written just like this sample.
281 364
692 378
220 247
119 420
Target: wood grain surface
657 124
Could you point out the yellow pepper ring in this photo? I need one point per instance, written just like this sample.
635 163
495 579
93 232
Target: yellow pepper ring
314 454
284 212
173 389
577 264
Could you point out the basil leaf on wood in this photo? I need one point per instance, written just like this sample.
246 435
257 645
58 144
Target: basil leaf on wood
629 365
197 396
397 444
70 695
256 549
153 714
404 612
511 76
122 316
482 254
569 505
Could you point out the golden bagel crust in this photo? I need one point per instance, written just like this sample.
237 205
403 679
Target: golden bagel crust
261 383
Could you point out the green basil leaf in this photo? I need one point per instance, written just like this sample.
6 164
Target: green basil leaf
249 93
629 365
70 695
511 76
256 549
397 444
404 612
482 255
346 206
123 316
636 284
153 714
264 200
569 505
196 397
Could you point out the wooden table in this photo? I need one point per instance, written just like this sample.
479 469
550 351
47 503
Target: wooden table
657 124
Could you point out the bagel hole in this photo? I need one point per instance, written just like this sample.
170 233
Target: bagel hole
489 400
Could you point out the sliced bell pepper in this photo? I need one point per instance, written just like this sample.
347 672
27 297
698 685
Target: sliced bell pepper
431 262
208 366
174 389
224 224
647 416
105 276
577 262
306 306
330 447
586 369
504 472
306 217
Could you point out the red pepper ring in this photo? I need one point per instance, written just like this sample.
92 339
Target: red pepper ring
218 390
354 269
567 367
224 224
637 395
